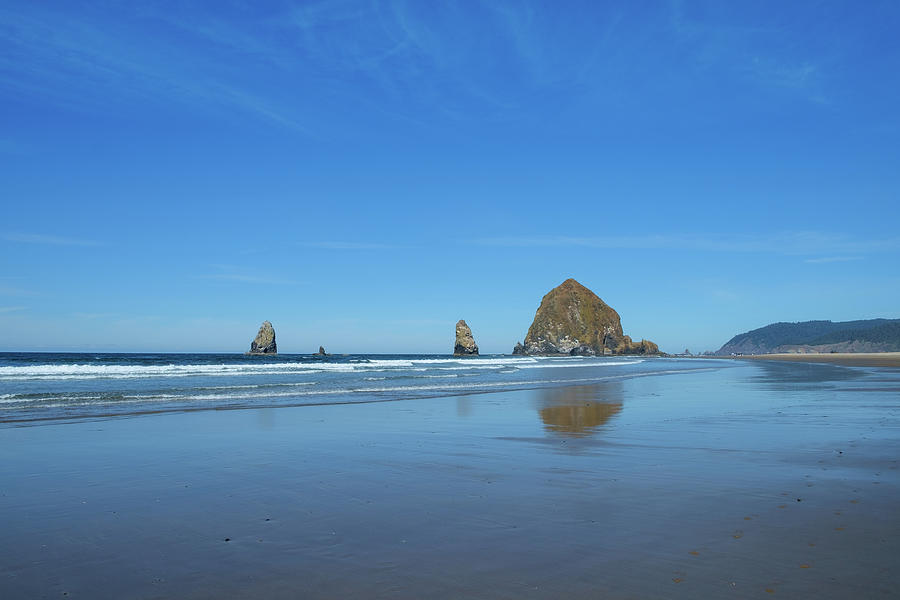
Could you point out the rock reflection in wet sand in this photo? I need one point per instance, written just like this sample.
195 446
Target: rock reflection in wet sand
579 411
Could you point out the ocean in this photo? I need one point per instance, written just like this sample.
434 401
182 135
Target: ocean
51 386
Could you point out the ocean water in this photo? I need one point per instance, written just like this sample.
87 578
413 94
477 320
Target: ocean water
48 386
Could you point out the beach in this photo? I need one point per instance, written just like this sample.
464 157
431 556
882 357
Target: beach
857 359
744 479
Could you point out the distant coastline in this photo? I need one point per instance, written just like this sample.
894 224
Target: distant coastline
860 359
866 336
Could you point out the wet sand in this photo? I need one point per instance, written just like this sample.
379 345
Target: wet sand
754 480
871 359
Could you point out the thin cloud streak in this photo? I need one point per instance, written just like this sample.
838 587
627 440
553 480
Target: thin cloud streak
832 259
83 315
14 291
9 309
338 245
64 53
248 279
803 242
52 240
338 45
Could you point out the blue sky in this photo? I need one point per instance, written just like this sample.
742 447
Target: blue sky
363 174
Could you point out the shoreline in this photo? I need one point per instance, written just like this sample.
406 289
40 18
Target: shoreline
78 387
847 359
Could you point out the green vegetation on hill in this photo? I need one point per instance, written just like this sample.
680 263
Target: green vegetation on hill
888 331
872 335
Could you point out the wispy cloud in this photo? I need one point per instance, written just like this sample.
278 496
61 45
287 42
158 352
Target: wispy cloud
245 275
441 59
259 106
798 242
6 290
248 279
52 240
84 315
9 309
832 259
50 53
765 56
339 245
410 61
725 294
794 76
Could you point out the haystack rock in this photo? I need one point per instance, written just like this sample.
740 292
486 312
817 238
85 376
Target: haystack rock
465 343
321 351
265 340
573 320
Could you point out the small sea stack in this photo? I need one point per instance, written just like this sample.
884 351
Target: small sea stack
265 340
465 343
321 351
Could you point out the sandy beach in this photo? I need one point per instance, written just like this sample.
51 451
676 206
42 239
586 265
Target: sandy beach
873 359
747 480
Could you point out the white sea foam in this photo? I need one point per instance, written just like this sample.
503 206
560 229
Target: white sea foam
559 365
29 399
258 386
398 391
93 371
83 371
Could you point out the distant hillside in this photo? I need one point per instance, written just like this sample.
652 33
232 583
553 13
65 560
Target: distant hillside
872 335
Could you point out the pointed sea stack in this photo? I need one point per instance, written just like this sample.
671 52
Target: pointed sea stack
465 343
321 351
265 340
573 320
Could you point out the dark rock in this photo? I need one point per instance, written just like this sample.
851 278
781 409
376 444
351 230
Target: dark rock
465 343
321 351
573 320
582 350
265 340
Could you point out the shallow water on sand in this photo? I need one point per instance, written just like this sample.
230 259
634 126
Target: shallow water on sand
745 481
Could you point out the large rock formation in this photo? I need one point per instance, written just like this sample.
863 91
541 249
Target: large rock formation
573 320
465 343
265 340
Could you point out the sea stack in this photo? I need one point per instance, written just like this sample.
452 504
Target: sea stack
265 340
574 320
321 351
465 343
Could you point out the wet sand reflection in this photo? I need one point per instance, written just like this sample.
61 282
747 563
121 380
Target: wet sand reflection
579 411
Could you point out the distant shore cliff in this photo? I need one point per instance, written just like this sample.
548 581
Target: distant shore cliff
870 335
573 320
